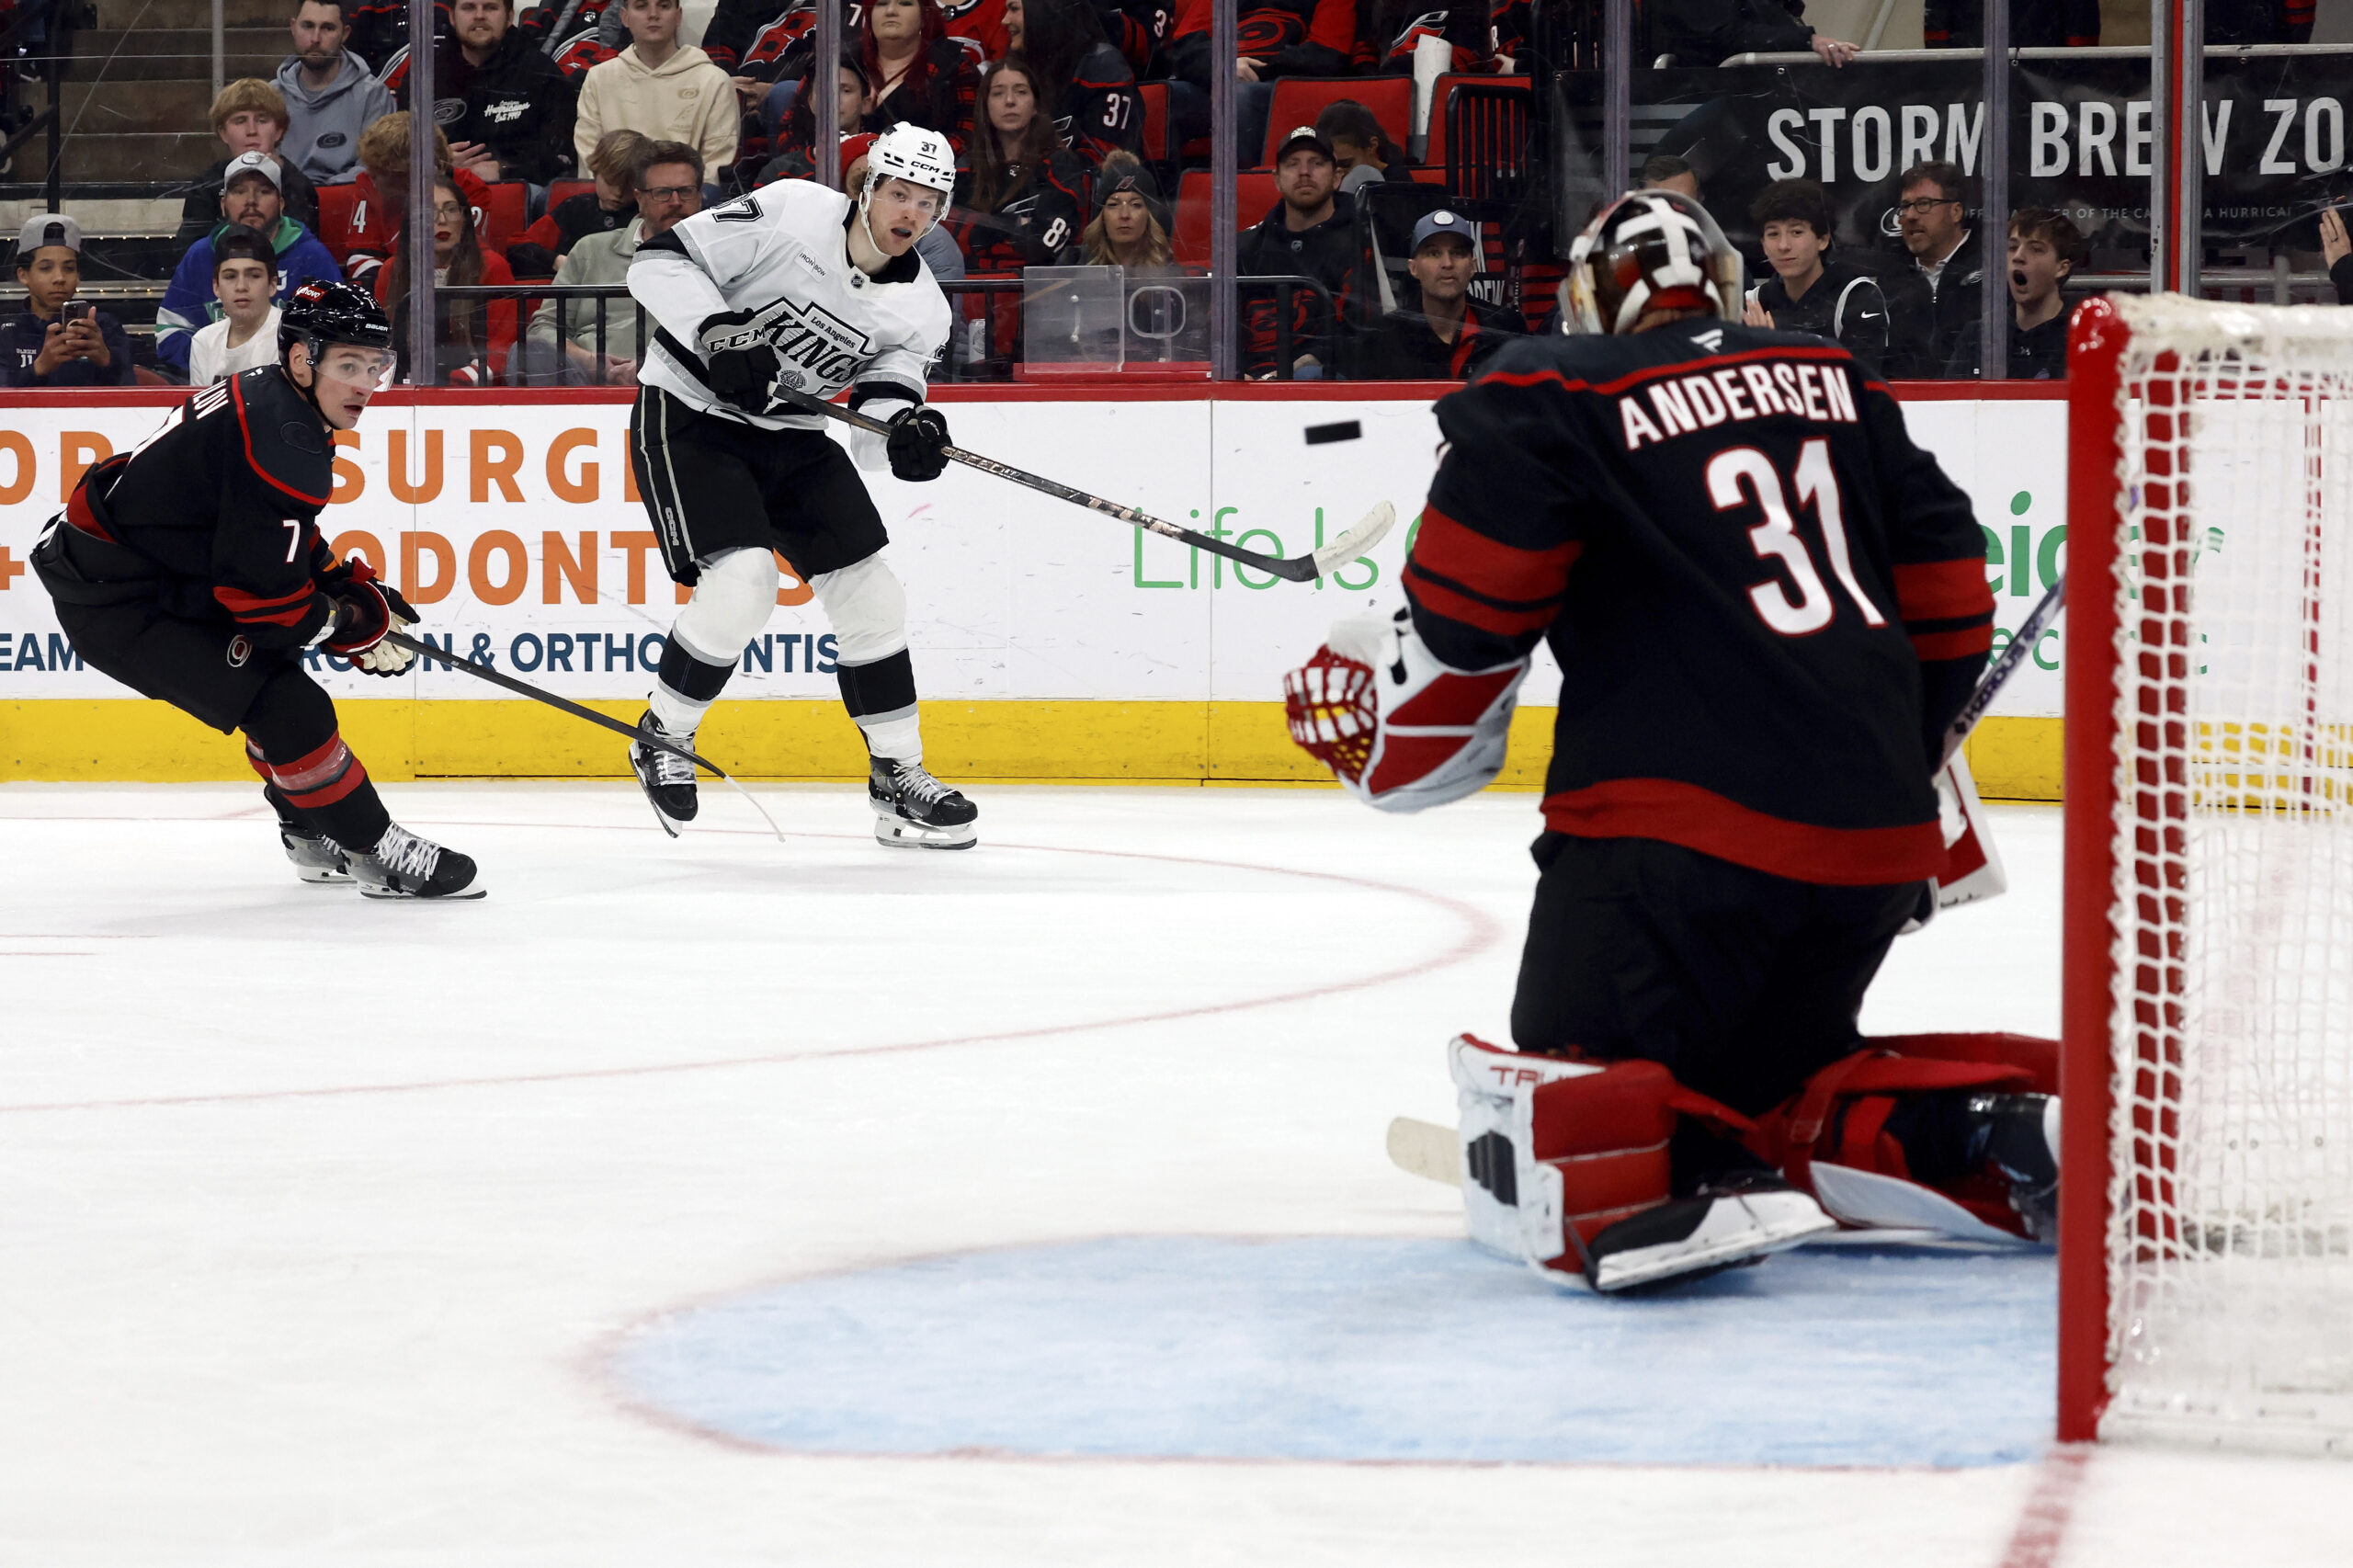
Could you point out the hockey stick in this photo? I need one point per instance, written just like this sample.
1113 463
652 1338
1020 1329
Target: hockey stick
1368 533
1998 674
525 688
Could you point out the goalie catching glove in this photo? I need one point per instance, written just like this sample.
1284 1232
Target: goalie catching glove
1398 729
366 611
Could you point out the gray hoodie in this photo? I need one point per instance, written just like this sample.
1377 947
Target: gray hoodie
322 128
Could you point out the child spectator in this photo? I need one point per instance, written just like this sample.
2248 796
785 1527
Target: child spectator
1810 289
1309 233
670 92
59 341
253 204
1444 334
603 210
1087 89
506 110
2044 249
668 180
1131 226
1360 147
329 95
473 337
376 218
797 135
244 283
248 117
915 71
1018 201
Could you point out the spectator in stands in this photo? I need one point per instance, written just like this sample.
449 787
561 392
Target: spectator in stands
1664 171
1483 40
1132 223
797 134
249 117
59 341
603 210
1809 290
376 218
1361 148
1020 199
2258 21
670 92
2337 250
1085 85
1272 39
473 337
1943 304
2044 249
254 204
506 110
1311 232
915 71
2034 24
244 286
1706 32
668 181
330 96
1443 334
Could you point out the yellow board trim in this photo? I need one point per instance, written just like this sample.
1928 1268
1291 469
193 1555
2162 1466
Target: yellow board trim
115 740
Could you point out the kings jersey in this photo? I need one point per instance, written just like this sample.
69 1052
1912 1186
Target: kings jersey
1766 603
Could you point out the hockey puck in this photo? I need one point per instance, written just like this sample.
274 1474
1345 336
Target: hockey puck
1346 431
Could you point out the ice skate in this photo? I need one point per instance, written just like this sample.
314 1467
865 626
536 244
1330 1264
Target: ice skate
667 778
915 810
404 866
318 859
2018 1137
1738 1218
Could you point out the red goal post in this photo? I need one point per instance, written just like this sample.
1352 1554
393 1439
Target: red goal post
2206 1232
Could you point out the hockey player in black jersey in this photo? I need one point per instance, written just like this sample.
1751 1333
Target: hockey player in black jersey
1767 605
191 569
794 285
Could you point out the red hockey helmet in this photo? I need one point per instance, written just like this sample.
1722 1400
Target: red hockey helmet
1649 250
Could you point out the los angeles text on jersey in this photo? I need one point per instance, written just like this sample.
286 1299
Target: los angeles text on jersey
1677 406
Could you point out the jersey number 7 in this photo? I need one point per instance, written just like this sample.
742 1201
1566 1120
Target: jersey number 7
1744 475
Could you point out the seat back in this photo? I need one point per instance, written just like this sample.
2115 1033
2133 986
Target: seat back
503 219
1435 153
1254 193
1299 100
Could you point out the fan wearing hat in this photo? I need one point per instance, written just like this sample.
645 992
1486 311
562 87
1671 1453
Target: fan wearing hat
59 341
252 202
245 281
1444 334
1130 224
1311 232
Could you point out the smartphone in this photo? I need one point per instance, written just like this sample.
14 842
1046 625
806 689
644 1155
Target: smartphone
72 310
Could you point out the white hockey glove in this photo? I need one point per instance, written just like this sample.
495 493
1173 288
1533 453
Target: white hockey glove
1399 730
1972 866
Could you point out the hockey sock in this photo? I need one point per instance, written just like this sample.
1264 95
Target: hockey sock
293 743
686 686
882 697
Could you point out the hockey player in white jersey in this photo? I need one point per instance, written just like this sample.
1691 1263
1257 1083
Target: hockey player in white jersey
806 287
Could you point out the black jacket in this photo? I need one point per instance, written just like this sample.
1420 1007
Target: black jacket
1401 346
200 209
1929 322
20 343
1781 718
1703 32
2036 353
1326 253
515 103
1846 305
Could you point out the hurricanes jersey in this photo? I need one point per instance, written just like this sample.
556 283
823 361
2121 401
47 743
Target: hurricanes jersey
1766 603
777 260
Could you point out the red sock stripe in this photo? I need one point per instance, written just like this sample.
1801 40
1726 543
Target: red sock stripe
1943 590
335 790
313 769
254 757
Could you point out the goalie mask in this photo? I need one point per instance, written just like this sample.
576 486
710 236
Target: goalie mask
913 153
1649 250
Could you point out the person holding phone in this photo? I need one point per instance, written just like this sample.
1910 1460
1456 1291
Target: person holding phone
59 341
2336 249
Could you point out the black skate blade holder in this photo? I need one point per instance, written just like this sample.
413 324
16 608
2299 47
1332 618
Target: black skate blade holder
525 688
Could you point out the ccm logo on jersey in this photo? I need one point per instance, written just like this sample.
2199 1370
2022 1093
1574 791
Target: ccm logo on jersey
1685 403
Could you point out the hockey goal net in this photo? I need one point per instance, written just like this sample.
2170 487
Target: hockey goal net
2207 1234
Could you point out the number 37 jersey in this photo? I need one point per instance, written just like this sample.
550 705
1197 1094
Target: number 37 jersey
1765 601
778 261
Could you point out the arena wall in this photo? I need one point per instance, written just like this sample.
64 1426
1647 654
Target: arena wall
1052 644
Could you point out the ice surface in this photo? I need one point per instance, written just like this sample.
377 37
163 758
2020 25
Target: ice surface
324 1225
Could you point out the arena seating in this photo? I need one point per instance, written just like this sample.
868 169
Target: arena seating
1254 193
1299 100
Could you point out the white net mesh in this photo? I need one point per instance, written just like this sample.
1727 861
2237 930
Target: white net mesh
2231 1199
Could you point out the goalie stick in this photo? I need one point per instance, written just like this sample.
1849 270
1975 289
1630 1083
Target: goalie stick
660 742
1998 674
1369 531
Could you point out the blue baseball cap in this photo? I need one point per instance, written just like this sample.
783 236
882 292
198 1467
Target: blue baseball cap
1445 222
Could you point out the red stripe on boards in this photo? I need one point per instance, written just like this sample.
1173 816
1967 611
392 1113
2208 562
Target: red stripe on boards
1677 812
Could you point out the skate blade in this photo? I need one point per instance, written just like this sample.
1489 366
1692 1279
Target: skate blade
1770 1228
385 895
325 878
896 835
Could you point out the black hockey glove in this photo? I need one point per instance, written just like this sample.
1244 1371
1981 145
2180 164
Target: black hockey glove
918 444
738 363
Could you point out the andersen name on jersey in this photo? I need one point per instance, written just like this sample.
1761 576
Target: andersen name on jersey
1765 602
778 259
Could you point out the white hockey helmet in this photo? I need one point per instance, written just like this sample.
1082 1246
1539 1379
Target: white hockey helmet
911 153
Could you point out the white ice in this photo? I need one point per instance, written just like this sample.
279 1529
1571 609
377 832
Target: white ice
328 1229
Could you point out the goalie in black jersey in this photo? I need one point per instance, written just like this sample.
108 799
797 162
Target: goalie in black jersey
1767 606
191 569
798 285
